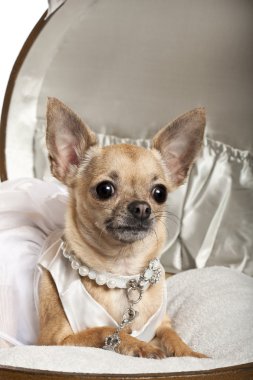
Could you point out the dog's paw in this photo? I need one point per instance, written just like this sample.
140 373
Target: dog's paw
141 349
179 348
173 345
197 355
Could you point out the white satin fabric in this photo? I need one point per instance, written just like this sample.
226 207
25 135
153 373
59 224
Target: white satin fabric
30 210
81 309
215 213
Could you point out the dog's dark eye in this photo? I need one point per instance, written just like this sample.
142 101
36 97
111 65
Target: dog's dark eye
105 190
159 193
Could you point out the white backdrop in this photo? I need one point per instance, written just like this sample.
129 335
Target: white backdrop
17 19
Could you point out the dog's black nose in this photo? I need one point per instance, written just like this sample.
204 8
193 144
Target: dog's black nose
140 210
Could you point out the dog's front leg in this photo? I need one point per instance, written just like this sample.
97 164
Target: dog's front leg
168 340
54 325
95 337
91 337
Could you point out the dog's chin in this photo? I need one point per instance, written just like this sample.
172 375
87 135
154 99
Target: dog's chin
128 235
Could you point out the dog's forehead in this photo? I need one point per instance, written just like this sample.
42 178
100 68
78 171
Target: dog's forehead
134 158
128 161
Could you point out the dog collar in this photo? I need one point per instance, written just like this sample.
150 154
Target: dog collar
150 275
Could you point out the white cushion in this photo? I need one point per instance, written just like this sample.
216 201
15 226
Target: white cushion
211 309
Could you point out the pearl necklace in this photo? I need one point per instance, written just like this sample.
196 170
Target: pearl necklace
150 275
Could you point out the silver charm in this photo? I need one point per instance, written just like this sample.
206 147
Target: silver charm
112 342
134 292
129 315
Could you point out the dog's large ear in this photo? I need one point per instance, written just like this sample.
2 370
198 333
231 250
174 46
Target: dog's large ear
180 142
67 139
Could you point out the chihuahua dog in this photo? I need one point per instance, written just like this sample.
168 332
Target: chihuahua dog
115 226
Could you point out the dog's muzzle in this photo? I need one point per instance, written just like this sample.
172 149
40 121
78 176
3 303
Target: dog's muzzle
135 224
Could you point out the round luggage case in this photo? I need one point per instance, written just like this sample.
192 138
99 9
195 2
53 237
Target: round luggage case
127 68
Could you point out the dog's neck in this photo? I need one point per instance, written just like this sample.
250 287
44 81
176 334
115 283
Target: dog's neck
106 254
150 275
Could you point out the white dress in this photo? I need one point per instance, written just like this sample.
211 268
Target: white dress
30 210
31 222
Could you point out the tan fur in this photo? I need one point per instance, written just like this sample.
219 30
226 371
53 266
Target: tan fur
170 343
134 171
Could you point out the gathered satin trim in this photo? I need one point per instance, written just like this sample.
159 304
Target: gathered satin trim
215 147
105 140
233 154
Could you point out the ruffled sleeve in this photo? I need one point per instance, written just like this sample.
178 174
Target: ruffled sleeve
29 210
